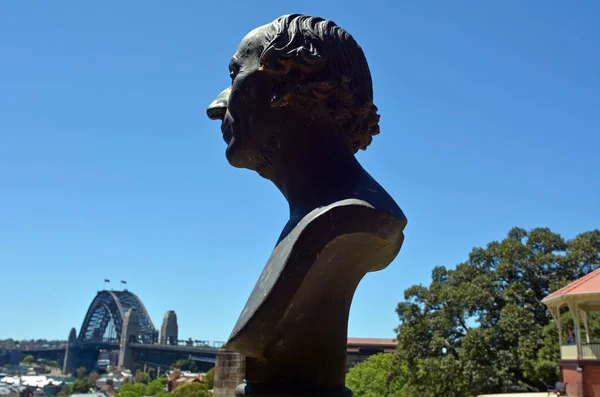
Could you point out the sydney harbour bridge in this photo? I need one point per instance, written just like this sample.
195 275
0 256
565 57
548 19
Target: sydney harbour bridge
118 325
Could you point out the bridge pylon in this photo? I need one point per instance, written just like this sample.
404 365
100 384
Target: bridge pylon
70 353
169 329
129 334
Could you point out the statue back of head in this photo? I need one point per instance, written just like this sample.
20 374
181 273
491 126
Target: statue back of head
321 70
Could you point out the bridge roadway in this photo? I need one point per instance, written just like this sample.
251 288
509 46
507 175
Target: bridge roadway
163 356
175 348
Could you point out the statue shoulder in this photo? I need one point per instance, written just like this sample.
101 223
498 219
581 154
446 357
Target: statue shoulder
348 215
350 236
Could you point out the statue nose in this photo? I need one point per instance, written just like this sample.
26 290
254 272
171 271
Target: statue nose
216 110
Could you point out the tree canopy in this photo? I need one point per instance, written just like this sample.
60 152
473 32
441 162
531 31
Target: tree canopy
186 365
155 387
28 359
209 378
195 389
133 390
368 378
141 377
82 384
81 372
481 327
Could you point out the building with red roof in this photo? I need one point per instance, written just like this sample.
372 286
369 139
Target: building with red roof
359 349
580 354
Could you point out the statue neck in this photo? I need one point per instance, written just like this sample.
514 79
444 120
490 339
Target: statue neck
315 174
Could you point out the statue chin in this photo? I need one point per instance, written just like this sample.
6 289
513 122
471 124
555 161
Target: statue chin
232 154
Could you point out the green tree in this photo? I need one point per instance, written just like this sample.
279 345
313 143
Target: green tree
186 365
93 377
156 386
51 364
132 390
194 389
84 384
163 393
370 377
481 327
79 387
80 372
65 391
28 359
127 393
141 377
209 378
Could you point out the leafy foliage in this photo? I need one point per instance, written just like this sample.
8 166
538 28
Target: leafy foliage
186 365
28 359
127 393
81 372
82 384
368 378
195 389
141 377
156 386
482 328
132 390
209 378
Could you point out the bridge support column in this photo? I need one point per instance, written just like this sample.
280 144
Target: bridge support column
70 353
169 329
129 334
229 372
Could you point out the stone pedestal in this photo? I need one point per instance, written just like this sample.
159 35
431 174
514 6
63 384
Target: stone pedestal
229 372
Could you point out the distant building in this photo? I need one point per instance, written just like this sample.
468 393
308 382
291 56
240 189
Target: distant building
359 349
108 390
177 378
30 385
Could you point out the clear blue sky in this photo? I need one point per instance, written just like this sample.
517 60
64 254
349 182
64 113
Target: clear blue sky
109 167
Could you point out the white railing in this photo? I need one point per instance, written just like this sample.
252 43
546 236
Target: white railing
589 351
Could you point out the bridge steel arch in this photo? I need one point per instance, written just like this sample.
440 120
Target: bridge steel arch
112 306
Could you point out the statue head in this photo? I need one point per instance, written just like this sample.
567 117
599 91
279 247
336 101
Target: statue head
296 82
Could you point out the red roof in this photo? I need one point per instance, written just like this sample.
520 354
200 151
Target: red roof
379 342
590 283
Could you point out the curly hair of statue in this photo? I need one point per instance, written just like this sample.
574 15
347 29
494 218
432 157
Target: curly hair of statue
322 71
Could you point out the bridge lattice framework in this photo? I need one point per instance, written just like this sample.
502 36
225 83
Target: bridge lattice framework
118 320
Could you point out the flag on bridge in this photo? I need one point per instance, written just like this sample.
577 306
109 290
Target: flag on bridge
123 282
106 280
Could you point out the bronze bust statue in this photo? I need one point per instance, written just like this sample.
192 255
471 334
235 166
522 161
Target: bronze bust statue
299 107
